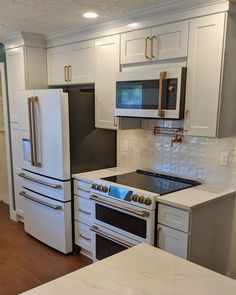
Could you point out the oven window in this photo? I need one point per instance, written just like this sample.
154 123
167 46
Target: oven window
145 94
129 223
106 248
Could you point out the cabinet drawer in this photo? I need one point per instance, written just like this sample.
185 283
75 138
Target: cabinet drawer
175 218
173 241
82 210
83 236
82 188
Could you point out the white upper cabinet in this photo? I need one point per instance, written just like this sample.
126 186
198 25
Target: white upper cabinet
107 64
210 94
71 64
159 43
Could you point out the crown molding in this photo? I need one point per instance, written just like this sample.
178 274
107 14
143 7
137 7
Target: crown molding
179 10
23 39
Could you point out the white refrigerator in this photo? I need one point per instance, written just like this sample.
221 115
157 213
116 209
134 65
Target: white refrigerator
45 158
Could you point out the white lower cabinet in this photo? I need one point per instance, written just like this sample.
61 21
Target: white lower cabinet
173 241
83 217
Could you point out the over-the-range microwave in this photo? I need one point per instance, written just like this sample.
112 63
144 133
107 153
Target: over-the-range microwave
151 94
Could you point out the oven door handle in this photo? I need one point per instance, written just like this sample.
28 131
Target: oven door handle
136 212
110 237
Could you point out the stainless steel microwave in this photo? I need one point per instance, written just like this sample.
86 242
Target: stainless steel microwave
151 94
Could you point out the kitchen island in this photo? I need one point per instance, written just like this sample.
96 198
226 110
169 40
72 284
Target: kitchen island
142 269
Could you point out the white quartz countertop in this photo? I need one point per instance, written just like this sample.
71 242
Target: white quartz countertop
141 270
186 199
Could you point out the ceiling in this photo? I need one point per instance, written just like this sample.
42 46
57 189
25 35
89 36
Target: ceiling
46 16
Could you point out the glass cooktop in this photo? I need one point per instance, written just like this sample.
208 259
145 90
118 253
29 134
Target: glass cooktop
153 182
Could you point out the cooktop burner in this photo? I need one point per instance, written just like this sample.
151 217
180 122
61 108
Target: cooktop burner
153 182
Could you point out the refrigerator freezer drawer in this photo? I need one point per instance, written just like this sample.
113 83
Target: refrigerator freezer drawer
48 220
59 190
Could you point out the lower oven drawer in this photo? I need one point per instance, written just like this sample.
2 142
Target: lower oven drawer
83 236
82 210
48 220
107 242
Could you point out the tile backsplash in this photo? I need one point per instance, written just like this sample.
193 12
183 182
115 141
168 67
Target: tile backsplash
196 158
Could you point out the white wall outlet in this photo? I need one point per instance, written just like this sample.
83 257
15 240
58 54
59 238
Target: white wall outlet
125 146
224 158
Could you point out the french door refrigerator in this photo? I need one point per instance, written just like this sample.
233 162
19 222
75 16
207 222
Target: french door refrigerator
57 138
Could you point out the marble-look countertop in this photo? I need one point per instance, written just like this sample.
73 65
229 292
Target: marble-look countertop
185 199
141 270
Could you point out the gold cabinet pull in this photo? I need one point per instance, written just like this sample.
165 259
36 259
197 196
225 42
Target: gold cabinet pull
147 40
152 46
66 73
69 73
163 76
186 121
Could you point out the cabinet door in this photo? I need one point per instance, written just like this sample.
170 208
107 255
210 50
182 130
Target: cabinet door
81 62
170 41
206 35
56 62
107 64
173 241
15 78
135 47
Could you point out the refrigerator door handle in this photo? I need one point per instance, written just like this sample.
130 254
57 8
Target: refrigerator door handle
32 155
25 195
51 185
35 137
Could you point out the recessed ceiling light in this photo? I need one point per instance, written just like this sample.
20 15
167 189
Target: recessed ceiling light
133 25
90 14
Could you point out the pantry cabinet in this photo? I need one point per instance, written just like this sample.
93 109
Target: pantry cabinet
210 94
158 43
107 64
71 64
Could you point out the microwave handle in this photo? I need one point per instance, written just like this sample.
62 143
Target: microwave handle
163 76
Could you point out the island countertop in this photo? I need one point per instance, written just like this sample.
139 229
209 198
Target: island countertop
140 270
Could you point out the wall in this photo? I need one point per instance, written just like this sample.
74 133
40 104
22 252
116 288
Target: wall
197 158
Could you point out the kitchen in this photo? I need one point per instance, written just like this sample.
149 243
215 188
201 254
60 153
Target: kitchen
101 65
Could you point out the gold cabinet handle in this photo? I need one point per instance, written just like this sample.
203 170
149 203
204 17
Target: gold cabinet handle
66 73
186 121
163 76
69 73
147 40
152 46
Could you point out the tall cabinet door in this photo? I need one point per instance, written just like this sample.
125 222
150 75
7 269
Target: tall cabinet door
81 62
107 64
53 133
56 64
16 78
206 37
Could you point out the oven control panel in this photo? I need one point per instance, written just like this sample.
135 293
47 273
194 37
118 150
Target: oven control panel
123 194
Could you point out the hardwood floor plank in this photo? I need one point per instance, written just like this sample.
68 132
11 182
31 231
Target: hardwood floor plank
25 262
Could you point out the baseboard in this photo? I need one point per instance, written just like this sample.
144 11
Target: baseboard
4 199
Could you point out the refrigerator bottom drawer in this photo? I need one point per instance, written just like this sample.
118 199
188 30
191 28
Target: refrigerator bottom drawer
48 220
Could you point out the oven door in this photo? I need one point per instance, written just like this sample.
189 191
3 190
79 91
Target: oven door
125 219
107 243
151 94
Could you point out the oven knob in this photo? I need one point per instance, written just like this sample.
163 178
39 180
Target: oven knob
94 186
148 201
134 198
105 189
141 199
100 187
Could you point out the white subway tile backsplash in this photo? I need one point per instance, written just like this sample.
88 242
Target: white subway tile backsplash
197 158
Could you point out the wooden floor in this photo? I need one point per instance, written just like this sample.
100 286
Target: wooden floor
25 262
